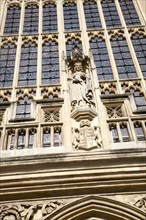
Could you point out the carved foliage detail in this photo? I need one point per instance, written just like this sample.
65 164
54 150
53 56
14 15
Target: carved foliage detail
114 111
51 115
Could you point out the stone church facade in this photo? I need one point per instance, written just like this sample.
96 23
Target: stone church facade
73 109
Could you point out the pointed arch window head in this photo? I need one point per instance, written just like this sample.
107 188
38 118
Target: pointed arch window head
28 64
49 17
110 13
12 19
129 12
124 62
101 59
71 21
31 18
23 109
7 64
50 63
92 15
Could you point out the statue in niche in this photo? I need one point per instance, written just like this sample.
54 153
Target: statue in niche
80 84
86 137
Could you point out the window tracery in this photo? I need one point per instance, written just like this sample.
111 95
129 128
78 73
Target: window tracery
101 57
31 18
91 15
49 17
50 62
71 21
71 41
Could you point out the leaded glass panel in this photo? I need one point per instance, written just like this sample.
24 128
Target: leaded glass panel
7 64
50 63
124 132
28 64
139 43
21 139
110 13
129 12
92 15
71 43
114 133
101 59
57 136
47 137
12 20
124 62
31 19
49 17
71 21
23 108
139 131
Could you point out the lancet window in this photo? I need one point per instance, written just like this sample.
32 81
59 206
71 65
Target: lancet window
49 17
101 58
71 21
31 18
139 43
129 12
23 109
50 63
124 62
110 13
52 136
7 64
140 130
92 15
12 19
28 64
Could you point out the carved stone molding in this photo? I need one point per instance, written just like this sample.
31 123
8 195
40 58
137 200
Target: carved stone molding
141 203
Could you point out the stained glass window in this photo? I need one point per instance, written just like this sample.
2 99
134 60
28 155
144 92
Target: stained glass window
31 19
23 108
101 59
12 20
71 22
71 43
129 12
50 63
49 17
92 15
110 13
28 64
7 64
124 62
139 43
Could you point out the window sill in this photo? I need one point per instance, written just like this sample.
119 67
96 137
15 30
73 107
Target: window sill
21 120
138 112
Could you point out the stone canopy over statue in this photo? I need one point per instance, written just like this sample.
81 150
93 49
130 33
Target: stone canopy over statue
81 95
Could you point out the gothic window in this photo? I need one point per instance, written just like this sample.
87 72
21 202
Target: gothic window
101 58
139 43
28 64
23 109
124 62
110 13
31 19
31 138
7 64
10 139
49 17
92 15
124 132
129 12
71 43
52 136
114 132
50 63
21 139
12 20
71 22
139 131
140 100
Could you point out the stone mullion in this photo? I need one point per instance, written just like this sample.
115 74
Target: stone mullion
52 135
16 139
119 131
137 7
144 128
26 137
3 14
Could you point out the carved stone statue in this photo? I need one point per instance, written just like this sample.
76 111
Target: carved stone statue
86 137
80 84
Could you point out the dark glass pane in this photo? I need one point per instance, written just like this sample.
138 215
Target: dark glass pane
139 43
50 63
124 62
110 13
114 133
31 19
71 21
49 17
129 12
101 59
92 15
23 108
124 132
12 20
7 64
139 131
28 64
